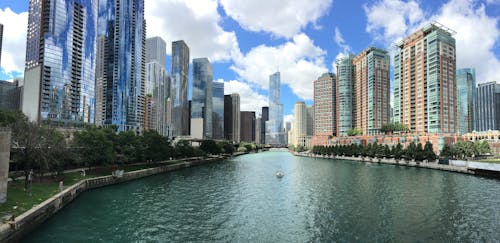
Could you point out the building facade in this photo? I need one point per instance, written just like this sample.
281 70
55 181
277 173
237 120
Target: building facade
310 120
1 38
299 128
10 95
487 107
121 71
218 110
202 95
274 126
344 95
179 88
60 62
424 81
371 90
466 100
325 108
263 120
232 117
247 126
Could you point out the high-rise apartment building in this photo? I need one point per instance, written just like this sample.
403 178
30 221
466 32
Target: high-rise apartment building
179 88
247 126
263 120
202 104
1 38
344 91
325 115
60 62
466 100
157 86
424 81
299 128
488 107
371 90
274 126
232 117
121 59
310 120
218 110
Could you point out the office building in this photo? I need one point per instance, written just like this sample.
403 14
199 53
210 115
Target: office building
232 117
274 126
10 95
325 115
487 107
218 110
247 126
60 62
310 120
202 103
371 90
263 120
345 101
257 130
466 100
299 131
424 81
120 69
179 88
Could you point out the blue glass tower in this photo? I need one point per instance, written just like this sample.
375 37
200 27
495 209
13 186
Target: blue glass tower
60 62
121 50
274 126
345 95
218 110
466 99
201 106
179 88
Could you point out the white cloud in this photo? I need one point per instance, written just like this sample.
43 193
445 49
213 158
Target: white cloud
195 22
493 1
14 40
389 20
345 49
282 18
250 99
299 61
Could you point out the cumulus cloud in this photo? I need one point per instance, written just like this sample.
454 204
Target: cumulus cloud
14 41
393 20
298 60
250 99
345 49
282 18
195 22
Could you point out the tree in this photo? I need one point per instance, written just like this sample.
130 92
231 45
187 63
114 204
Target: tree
410 151
354 132
447 151
419 153
482 147
429 154
210 147
95 146
155 146
398 151
227 147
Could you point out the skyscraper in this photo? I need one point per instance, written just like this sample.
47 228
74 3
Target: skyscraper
274 126
218 110
310 120
247 126
202 104
232 117
466 99
424 81
10 95
371 90
157 86
325 116
179 88
60 61
263 120
1 38
121 62
299 130
487 107
345 101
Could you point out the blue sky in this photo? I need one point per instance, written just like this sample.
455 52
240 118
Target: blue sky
247 40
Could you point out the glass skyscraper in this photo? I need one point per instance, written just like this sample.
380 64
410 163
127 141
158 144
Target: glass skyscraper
466 99
345 95
121 70
202 104
488 107
218 110
60 62
179 88
274 126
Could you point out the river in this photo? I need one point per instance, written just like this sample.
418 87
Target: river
317 200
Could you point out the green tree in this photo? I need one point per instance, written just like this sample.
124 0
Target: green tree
210 147
95 146
155 146
419 153
354 132
398 151
410 151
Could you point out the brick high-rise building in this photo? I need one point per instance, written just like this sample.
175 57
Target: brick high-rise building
324 108
425 97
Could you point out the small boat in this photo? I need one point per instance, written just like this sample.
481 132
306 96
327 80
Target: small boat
279 174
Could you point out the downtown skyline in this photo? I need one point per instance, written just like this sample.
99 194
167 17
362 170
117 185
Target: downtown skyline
301 50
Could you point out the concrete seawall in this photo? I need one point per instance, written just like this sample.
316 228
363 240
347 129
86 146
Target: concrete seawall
29 220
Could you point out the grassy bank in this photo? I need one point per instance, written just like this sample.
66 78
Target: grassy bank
496 161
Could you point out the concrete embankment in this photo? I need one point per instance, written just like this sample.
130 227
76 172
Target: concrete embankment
26 222
466 167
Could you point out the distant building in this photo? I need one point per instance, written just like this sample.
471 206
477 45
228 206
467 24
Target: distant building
10 95
310 120
274 126
232 117
218 110
466 100
202 106
179 88
424 81
299 131
1 38
247 127
344 91
325 108
264 119
488 105
257 130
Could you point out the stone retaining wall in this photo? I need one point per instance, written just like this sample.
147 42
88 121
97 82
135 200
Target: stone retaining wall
29 220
